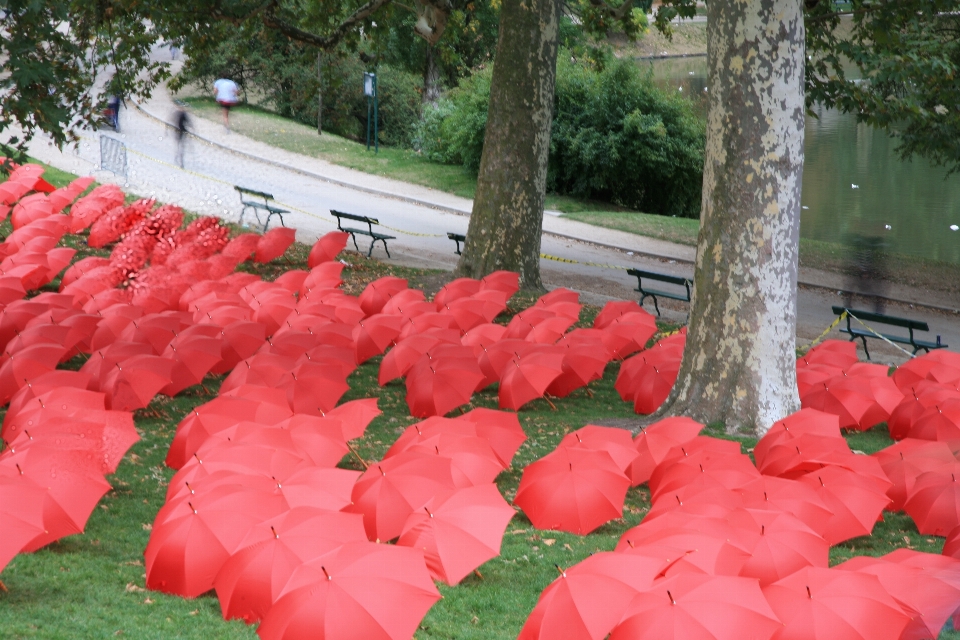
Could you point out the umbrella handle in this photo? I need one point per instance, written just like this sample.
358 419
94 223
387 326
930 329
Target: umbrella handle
357 455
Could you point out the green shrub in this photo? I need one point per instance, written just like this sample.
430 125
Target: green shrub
616 137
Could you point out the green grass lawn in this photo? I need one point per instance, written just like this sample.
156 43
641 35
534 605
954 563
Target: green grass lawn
92 585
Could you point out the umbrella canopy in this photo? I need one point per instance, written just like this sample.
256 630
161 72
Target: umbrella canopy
629 333
482 336
274 244
134 382
314 388
22 510
194 536
785 545
442 380
589 599
654 442
904 461
376 294
830 603
574 490
327 247
934 501
692 606
613 310
850 402
193 357
374 334
474 461
355 416
932 599
389 491
454 290
500 429
805 421
789 496
582 364
459 532
939 422
407 353
942 368
528 375
495 356
835 353
26 365
792 457
616 442
362 590
729 470
856 502
251 580
648 377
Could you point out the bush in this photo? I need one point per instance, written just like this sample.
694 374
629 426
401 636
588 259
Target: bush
616 137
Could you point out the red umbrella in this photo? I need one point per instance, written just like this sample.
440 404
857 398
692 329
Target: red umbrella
459 532
362 590
939 422
582 364
319 440
654 442
314 388
507 282
613 310
376 294
524 322
693 606
907 459
789 496
474 461
648 377
194 536
72 480
26 365
495 356
527 377
814 375
373 335
856 502
22 510
427 321
403 299
355 416
103 361
629 333
442 380
250 581
549 331
805 421
389 491
689 552
454 290
327 247
193 358
616 442
918 399
274 243
482 336
261 369
405 354
934 501
851 402
835 353
470 312
133 383
792 457
729 471
217 415
830 603
590 598
932 599
942 368
499 428
786 545
65 382
241 339
574 490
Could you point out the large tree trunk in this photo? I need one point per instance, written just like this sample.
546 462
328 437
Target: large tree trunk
739 364
431 78
507 218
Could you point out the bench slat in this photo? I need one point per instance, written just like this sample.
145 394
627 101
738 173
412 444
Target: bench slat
646 292
377 237
893 321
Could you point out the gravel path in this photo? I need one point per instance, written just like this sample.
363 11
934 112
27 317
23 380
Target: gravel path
418 216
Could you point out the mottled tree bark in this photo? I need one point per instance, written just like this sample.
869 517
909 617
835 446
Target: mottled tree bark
507 218
739 362
431 78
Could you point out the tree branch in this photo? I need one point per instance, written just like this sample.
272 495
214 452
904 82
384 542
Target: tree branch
329 41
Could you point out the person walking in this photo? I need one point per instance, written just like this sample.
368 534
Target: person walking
182 122
227 94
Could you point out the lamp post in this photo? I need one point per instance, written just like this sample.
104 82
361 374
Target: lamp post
370 90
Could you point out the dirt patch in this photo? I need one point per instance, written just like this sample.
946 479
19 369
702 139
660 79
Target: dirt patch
688 39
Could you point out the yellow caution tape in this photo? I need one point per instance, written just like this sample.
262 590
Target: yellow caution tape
823 335
882 337
547 256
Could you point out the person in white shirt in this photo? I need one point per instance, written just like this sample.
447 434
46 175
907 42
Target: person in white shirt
227 94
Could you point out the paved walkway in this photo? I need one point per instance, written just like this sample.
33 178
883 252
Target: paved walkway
589 259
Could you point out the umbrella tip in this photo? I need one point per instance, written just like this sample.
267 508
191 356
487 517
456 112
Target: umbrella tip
563 574
275 534
809 595
324 569
670 595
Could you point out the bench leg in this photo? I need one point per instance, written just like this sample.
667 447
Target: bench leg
655 305
385 248
355 245
370 253
865 350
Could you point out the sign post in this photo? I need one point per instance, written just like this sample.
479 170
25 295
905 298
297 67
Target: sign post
370 90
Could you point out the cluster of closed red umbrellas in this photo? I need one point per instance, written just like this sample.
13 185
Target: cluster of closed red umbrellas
259 511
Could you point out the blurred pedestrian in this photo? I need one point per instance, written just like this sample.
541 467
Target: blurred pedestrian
227 94
866 272
182 123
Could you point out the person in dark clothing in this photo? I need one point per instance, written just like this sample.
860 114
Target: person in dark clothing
182 122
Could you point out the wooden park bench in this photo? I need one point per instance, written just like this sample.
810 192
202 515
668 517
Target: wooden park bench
458 238
647 292
879 318
377 237
247 200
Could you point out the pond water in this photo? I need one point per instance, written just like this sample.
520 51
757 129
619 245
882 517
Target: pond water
911 205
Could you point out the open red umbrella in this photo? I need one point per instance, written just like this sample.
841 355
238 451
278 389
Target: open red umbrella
589 598
850 402
60 380
939 422
459 532
250 581
628 333
856 502
785 545
648 377
613 310
194 536
362 590
470 312
904 461
507 282
791 458
688 552
917 399
390 490
274 243
443 379
917 591
72 480
474 461
805 421
528 375
500 429
134 382
692 606
616 442
482 336
789 496
214 416
401 358
376 294
327 247
942 368
21 508
26 365
374 334
582 364
262 369
355 416
314 388
934 501
574 490
426 321
729 471
193 358
835 353
241 339
550 330
654 442
454 290
831 603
